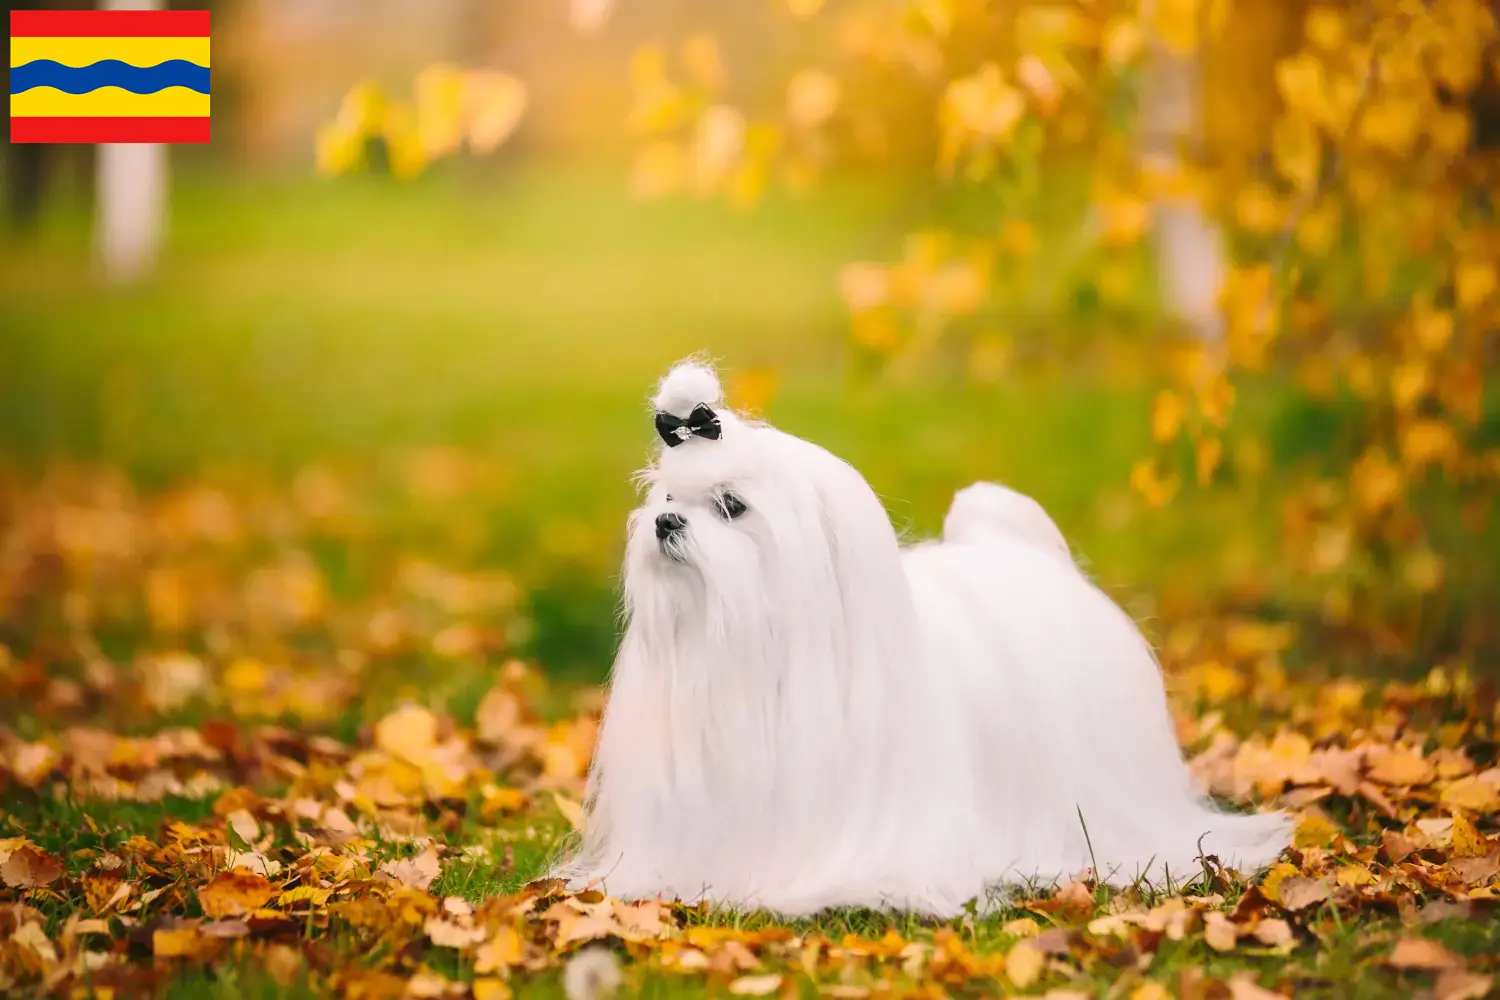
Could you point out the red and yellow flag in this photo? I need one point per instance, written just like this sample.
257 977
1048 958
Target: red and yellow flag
109 76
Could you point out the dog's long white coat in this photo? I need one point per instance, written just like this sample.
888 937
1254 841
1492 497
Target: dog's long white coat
803 714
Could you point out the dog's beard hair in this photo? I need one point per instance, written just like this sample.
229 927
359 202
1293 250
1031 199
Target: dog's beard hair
804 715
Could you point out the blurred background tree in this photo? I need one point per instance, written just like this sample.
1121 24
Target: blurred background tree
1305 181
1214 279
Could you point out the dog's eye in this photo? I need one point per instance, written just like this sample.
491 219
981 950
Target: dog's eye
730 506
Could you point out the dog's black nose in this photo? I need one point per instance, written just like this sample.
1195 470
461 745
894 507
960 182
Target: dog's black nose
668 525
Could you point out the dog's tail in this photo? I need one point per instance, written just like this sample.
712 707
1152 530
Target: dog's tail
985 510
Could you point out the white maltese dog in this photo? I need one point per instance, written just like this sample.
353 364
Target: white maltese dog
804 714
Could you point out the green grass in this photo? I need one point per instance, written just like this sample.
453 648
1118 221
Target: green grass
294 319
236 982
524 315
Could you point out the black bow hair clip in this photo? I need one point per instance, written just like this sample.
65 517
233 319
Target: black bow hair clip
702 422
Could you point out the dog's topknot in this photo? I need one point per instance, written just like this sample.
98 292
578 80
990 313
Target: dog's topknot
686 385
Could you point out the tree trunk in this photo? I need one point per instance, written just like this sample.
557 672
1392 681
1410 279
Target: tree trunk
131 205
1213 103
1189 254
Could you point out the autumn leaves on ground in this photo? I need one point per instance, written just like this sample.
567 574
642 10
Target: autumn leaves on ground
194 807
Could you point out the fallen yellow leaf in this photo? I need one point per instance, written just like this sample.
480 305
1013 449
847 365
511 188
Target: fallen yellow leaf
1455 984
28 867
1422 953
179 942
235 892
1219 932
1314 830
1468 842
1023 964
756 986
1355 875
451 934
418 872
1300 892
490 988
1472 794
410 732
503 951
1400 767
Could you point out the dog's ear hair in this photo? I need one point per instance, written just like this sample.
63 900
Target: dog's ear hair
866 560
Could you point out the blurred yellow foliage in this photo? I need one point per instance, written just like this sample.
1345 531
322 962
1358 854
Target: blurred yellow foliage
1357 257
451 109
751 390
1167 414
1333 152
977 112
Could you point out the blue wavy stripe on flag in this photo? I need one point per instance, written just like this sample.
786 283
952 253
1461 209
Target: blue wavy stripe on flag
109 73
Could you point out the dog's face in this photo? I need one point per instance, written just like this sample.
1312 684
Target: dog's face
724 526
696 512
755 546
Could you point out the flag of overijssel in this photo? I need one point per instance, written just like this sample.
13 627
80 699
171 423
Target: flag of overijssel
109 76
